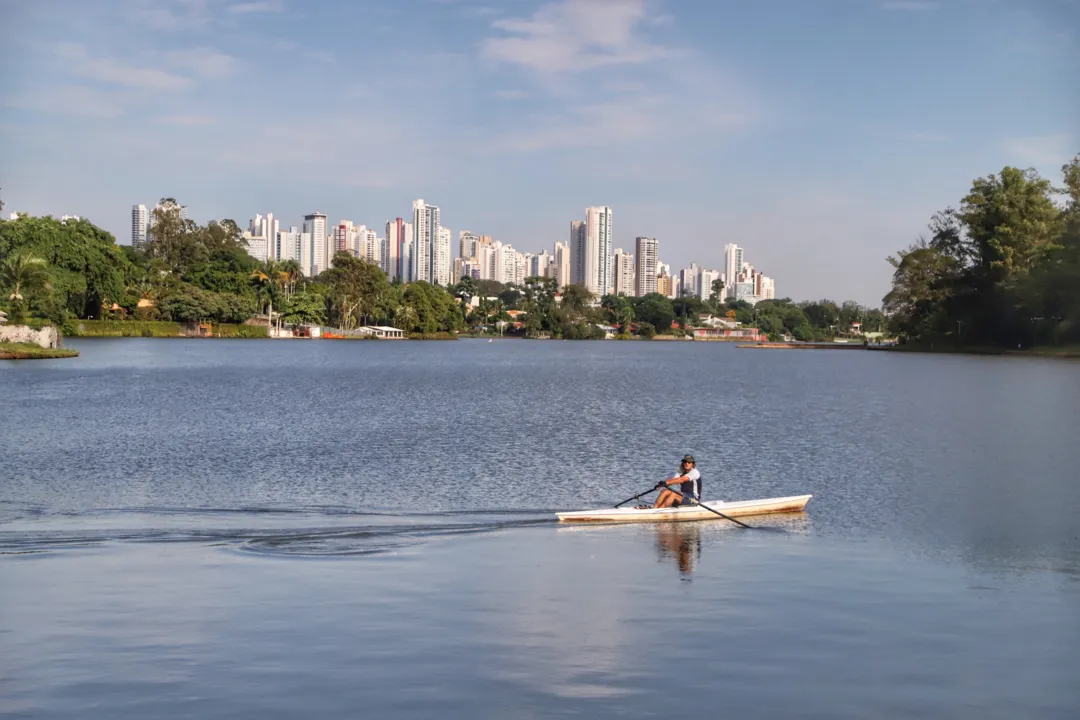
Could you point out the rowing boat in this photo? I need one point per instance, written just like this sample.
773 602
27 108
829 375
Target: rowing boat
739 508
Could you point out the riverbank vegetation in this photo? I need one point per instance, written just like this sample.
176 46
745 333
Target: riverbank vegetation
1000 271
72 273
29 351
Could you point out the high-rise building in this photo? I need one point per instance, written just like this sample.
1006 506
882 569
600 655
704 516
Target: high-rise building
140 225
442 257
647 252
577 252
598 256
395 240
407 253
690 281
561 264
320 252
540 265
425 240
766 289
467 244
505 263
287 245
486 260
733 262
623 264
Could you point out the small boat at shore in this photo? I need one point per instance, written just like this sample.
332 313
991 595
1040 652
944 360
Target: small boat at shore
739 508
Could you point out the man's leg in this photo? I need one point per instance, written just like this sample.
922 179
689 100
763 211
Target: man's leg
666 499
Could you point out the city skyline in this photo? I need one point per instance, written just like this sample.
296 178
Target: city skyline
425 254
702 124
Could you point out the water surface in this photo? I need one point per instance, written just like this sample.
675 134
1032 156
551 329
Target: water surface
231 528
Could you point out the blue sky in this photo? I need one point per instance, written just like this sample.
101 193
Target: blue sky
818 134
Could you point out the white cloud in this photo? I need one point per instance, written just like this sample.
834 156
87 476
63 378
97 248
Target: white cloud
247 8
204 61
574 36
115 72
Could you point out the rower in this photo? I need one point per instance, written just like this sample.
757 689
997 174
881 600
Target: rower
689 482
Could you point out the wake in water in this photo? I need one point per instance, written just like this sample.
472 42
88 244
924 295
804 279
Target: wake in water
314 531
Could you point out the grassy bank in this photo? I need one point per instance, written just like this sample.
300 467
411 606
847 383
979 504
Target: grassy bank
25 351
159 329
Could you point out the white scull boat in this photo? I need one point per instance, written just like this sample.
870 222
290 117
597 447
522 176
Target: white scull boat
740 508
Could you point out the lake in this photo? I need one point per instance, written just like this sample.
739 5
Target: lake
281 529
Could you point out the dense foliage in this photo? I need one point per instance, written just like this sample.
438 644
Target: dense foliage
1002 270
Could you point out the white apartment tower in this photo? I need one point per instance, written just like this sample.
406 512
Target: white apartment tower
443 259
598 241
623 265
425 241
591 260
140 224
561 262
646 254
733 262
320 251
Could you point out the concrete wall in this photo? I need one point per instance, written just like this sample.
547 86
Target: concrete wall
46 337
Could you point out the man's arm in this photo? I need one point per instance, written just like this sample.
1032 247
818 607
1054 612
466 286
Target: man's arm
676 480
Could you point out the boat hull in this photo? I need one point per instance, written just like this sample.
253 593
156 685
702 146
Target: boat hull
741 508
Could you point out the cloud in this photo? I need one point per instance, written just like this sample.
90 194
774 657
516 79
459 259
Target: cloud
187 120
204 61
909 5
247 8
115 72
511 94
574 36
1042 151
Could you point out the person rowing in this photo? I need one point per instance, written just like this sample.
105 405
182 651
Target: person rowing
689 482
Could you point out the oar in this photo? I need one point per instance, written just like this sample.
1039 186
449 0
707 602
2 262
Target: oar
644 492
700 504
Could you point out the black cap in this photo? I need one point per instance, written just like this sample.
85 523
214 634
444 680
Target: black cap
688 458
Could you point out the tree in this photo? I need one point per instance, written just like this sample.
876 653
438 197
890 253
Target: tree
22 272
465 291
717 293
656 310
358 290
488 288
577 298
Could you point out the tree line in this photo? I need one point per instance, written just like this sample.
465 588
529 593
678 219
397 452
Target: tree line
1001 270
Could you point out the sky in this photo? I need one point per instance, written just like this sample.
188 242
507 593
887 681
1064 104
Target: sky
820 135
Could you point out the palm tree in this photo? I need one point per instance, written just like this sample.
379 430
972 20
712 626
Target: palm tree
265 278
292 269
22 272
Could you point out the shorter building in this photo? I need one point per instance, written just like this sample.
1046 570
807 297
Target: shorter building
382 331
724 333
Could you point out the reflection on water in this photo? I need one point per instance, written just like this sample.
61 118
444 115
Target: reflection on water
680 541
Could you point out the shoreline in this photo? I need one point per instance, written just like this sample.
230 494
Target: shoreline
26 351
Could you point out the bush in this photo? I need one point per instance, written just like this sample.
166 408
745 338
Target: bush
646 330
